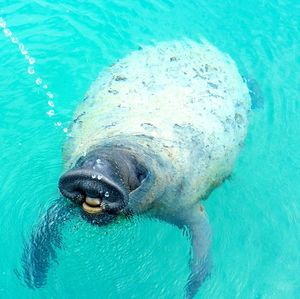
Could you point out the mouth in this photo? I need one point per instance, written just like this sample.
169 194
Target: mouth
96 211
93 206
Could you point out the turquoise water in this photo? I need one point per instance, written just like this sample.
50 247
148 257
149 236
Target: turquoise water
255 215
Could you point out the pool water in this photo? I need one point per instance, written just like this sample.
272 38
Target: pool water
255 215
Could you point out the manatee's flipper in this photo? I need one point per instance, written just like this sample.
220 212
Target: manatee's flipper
257 100
45 238
195 221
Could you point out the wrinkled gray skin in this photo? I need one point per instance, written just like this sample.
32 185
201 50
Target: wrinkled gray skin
159 163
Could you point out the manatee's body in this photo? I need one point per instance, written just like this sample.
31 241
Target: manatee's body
155 134
184 101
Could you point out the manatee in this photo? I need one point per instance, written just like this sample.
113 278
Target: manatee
157 132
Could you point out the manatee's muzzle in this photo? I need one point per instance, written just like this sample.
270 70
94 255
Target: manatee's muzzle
94 191
101 182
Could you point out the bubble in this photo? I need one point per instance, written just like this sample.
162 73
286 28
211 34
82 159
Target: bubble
14 40
50 103
93 176
106 194
50 95
39 81
7 32
25 52
50 113
21 47
2 23
98 161
31 60
99 177
30 70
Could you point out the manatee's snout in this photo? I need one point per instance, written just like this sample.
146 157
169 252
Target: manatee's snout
94 190
101 181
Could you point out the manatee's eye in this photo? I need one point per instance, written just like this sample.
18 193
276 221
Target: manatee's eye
79 161
141 172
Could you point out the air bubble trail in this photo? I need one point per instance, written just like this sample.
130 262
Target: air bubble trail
31 70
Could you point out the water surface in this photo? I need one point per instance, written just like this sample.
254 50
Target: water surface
254 215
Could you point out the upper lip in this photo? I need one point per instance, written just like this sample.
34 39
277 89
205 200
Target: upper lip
78 184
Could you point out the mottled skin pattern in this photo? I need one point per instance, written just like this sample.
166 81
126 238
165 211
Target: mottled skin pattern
183 102
180 110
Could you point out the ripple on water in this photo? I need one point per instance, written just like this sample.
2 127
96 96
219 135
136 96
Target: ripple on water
98 250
